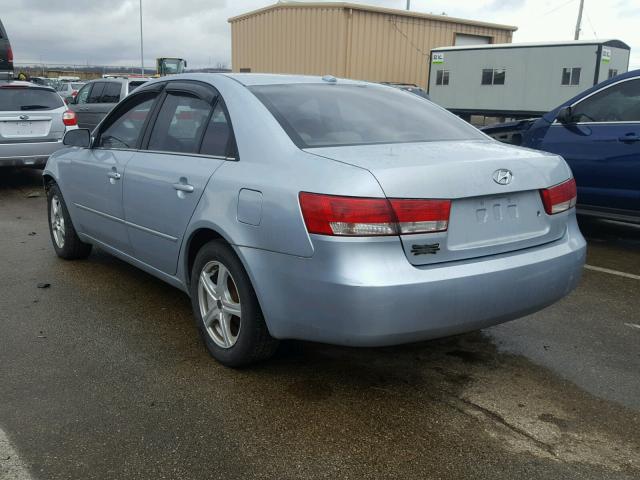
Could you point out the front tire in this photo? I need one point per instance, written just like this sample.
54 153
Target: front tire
226 308
65 240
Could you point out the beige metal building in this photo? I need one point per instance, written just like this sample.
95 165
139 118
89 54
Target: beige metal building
350 40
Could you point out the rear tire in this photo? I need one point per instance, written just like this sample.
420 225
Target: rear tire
65 240
226 308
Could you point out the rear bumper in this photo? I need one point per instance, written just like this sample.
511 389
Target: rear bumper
27 154
349 295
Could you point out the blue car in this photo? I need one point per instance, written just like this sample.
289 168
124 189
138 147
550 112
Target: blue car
598 134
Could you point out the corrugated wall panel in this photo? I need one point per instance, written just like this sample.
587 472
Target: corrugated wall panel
291 40
345 42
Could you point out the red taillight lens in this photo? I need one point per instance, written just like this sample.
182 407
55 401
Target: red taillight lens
69 118
356 216
421 216
350 216
10 55
559 198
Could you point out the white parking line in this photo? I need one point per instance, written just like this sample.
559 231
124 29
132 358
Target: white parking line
612 272
632 325
11 467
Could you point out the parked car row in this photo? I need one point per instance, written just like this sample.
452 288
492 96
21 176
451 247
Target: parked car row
598 133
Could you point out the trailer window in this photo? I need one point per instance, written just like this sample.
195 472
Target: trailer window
322 115
442 77
493 76
571 76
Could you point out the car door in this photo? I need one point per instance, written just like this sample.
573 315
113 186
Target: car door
163 184
79 106
93 179
601 143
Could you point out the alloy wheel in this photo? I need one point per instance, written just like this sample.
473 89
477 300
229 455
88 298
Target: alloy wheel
57 221
219 303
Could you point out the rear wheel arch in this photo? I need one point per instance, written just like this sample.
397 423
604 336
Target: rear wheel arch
199 238
48 181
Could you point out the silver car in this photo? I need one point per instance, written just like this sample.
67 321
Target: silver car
33 120
317 208
68 90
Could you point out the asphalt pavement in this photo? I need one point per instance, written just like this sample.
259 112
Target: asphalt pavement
102 375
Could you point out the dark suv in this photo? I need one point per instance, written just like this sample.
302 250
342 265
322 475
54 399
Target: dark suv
98 97
6 55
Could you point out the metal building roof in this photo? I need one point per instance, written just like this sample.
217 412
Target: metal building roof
572 43
370 8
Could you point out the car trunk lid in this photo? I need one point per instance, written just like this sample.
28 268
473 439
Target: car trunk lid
486 217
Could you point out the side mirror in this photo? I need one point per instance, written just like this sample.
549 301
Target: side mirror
79 137
565 115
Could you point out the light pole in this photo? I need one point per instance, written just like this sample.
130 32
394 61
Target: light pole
141 43
579 22
408 4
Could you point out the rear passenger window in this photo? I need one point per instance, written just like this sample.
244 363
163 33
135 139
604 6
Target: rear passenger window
217 137
180 124
96 92
111 93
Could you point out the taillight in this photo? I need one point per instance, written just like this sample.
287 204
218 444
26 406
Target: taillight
10 55
351 216
421 216
356 216
559 198
69 118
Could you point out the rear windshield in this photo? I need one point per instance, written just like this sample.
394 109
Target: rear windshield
321 115
23 99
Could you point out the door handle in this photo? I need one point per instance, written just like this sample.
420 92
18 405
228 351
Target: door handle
629 138
114 175
183 187
84 109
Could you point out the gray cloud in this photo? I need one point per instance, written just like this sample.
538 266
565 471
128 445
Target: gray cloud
498 5
107 32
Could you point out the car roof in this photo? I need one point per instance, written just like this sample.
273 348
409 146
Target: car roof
110 79
22 84
250 79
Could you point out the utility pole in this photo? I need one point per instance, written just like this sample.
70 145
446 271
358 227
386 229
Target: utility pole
408 4
578 23
142 44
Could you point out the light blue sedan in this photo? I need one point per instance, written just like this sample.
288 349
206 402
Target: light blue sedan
316 208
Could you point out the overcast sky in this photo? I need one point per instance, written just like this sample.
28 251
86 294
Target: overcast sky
106 32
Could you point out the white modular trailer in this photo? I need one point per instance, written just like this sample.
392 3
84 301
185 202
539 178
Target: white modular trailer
519 80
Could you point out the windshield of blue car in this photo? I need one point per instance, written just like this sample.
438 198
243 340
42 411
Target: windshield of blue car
14 99
322 115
